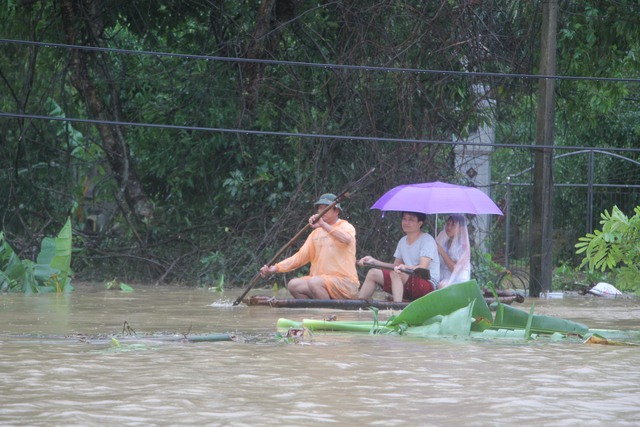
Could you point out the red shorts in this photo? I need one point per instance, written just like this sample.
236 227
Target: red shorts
414 288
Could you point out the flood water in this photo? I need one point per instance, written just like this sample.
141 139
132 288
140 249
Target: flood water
59 366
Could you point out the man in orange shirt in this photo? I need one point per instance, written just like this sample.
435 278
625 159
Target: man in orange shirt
331 250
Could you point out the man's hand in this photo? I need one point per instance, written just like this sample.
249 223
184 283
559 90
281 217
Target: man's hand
366 260
398 268
318 222
267 270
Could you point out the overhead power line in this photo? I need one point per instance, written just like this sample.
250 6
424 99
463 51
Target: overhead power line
304 135
325 66
305 64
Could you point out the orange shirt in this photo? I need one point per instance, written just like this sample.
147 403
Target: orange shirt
326 255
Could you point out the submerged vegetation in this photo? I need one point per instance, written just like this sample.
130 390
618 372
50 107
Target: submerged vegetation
460 312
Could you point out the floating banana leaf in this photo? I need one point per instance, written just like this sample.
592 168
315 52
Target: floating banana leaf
445 301
508 317
456 324
460 311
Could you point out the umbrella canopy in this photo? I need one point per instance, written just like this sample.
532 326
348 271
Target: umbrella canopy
437 198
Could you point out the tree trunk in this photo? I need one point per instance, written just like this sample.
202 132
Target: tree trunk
264 41
113 142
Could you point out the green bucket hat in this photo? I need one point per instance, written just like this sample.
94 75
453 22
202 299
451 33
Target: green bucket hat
327 199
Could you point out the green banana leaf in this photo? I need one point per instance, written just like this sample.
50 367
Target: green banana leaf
15 274
54 260
50 272
445 301
508 317
456 324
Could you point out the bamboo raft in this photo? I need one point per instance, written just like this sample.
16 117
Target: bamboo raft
505 297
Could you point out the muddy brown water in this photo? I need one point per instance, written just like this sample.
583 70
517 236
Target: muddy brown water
59 367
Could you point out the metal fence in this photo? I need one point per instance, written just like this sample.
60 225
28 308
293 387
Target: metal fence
609 180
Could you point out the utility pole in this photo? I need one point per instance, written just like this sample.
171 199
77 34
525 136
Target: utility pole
542 201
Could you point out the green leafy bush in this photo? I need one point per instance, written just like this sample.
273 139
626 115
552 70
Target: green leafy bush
616 246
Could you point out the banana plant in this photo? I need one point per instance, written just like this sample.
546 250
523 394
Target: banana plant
51 271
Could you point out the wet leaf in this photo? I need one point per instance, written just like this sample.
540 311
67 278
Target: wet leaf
125 288
508 317
443 302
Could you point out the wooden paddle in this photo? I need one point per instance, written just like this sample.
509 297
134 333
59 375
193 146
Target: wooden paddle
346 193
422 273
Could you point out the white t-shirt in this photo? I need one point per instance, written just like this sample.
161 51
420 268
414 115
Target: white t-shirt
425 246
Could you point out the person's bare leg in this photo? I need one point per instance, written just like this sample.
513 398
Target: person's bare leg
299 288
318 289
373 279
397 287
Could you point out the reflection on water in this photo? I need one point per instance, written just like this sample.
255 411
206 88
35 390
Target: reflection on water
52 377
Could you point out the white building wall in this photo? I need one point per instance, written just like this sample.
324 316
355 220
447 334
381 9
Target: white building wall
473 163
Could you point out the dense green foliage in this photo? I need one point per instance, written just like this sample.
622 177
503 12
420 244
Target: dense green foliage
615 247
228 154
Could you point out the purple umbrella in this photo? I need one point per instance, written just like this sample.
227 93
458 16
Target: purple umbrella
437 198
